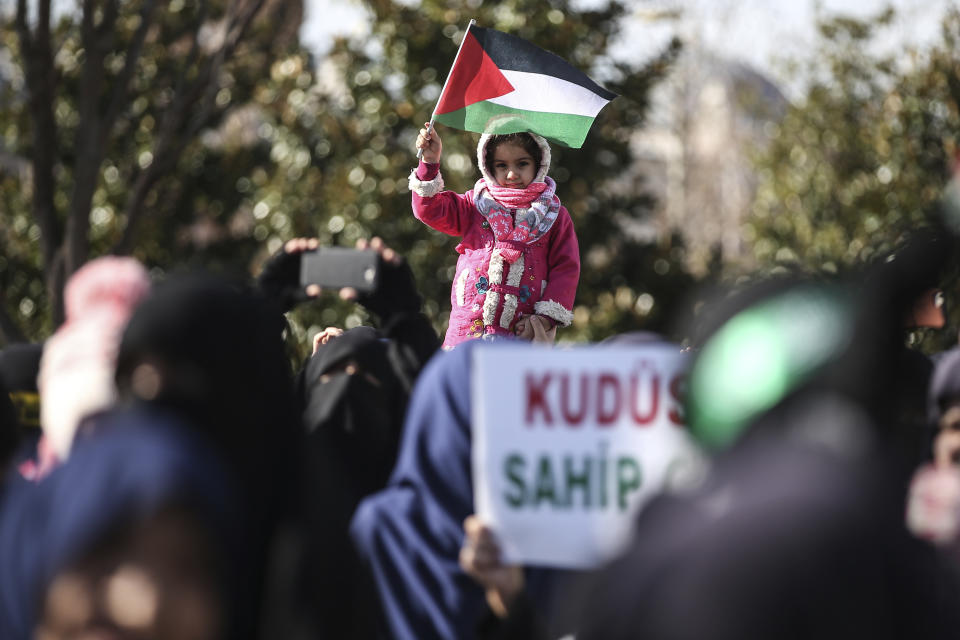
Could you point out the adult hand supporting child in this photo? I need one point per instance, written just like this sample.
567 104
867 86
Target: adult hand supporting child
544 331
537 329
429 141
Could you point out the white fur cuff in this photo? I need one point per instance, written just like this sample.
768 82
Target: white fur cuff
425 188
555 310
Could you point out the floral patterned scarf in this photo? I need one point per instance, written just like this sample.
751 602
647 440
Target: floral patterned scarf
536 209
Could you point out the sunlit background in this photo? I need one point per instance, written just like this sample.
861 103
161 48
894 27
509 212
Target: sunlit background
750 137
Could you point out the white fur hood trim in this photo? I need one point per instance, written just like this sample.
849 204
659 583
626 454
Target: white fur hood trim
545 157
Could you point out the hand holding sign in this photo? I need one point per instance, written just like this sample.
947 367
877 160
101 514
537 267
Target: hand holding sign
568 445
480 559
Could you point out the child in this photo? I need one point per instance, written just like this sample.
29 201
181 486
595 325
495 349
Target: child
519 256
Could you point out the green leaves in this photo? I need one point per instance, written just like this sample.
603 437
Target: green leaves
217 166
859 160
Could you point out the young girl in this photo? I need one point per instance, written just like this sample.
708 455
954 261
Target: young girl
519 256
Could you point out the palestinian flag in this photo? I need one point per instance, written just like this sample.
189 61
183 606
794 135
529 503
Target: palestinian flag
503 84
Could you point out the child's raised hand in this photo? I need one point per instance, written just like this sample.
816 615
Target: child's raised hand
430 143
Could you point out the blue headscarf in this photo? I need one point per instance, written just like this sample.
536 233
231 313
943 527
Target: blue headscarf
410 533
136 464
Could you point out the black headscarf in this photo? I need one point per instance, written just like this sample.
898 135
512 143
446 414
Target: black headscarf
19 400
797 530
9 430
354 402
350 386
220 355
20 365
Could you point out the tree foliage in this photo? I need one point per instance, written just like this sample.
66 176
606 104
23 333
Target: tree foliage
270 144
859 160
115 120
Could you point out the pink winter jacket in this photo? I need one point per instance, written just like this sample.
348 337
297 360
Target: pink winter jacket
490 295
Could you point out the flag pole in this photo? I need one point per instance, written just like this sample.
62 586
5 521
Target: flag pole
444 89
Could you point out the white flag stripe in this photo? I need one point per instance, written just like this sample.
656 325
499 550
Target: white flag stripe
539 92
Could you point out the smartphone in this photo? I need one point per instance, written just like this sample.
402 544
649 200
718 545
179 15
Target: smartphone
337 267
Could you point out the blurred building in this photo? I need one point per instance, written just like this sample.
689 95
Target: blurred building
707 118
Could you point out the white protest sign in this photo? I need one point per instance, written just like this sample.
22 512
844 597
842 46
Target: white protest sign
568 443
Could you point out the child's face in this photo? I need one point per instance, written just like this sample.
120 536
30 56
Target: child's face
513 166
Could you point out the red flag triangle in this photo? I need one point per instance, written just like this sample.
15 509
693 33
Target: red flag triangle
474 78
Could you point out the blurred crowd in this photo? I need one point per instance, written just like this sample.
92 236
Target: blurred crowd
168 474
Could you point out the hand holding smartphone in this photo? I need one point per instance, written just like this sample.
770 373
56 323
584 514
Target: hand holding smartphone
339 267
